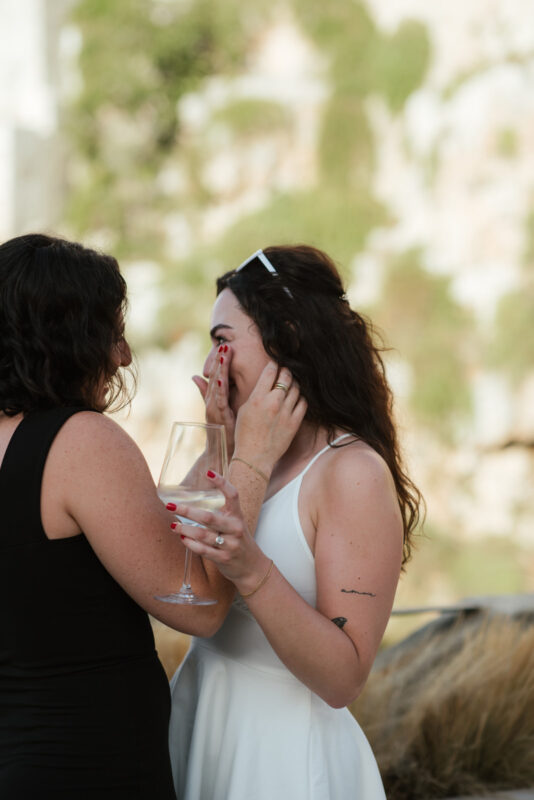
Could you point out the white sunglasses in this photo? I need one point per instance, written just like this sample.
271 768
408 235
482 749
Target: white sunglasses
260 255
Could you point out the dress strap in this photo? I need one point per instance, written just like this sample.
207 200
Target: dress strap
316 456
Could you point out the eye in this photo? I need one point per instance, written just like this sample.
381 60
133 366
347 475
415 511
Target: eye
220 339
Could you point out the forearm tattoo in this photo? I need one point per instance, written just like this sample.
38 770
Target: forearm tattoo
355 591
339 621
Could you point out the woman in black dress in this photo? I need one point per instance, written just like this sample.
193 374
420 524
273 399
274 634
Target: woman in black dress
85 543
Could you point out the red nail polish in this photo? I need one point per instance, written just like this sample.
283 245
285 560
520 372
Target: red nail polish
219 383
171 506
210 474
173 525
225 348
182 536
220 349
222 360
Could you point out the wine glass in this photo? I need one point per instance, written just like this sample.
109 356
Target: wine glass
193 449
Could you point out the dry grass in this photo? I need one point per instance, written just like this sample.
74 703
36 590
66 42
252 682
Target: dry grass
450 711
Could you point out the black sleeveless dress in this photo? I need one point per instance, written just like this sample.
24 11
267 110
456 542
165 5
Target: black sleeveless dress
84 701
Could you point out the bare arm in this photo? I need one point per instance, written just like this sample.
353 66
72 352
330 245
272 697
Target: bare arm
358 554
107 490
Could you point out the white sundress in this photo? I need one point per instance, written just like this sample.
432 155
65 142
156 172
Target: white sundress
245 728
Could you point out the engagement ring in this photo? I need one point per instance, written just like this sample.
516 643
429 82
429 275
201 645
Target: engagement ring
219 541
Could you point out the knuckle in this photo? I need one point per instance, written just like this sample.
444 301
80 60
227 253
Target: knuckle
235 527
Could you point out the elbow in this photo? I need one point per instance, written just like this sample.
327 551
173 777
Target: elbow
208 628
342 695
337 703
350 687
204 623
208 623
341 701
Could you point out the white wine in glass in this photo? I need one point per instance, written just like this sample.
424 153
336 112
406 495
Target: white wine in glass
193 449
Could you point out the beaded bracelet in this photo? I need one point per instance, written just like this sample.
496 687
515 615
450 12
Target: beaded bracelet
260 584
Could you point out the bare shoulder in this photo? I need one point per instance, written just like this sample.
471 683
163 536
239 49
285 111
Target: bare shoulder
89 437
357 468
357 494
91 424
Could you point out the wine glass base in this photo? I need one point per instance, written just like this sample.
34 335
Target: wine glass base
185 599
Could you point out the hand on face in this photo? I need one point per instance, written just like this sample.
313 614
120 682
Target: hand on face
268 421
241 382
215 391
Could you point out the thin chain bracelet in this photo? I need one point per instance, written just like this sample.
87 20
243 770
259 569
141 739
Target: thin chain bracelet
251 466
260 584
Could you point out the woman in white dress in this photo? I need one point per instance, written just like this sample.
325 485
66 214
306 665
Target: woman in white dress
259 707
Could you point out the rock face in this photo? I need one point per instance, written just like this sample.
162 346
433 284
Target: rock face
444 177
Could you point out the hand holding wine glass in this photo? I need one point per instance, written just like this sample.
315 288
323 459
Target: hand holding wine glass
192 451
225 539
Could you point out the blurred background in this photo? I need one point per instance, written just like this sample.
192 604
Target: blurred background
398 135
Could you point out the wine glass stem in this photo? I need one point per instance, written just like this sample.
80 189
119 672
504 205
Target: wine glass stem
186 586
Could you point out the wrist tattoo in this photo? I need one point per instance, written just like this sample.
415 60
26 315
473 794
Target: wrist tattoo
355 591
339 621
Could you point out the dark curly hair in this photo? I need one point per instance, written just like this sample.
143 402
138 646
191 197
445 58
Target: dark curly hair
307 325
60 317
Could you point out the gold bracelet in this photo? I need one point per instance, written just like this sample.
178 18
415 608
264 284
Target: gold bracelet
251 466
260 584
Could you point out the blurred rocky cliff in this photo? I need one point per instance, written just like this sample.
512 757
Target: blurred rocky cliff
396 134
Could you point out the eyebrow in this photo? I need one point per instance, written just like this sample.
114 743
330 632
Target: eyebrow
219 327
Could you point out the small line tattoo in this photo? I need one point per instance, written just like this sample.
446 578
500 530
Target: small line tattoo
339 621
355 591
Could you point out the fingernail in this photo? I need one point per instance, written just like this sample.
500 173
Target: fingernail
173 525
222 360
210 474
225 348
171 506
182 536
219 383
220 349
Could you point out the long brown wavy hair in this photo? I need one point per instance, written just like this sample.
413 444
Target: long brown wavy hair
308 326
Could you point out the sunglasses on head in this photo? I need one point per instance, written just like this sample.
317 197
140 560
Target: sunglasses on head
260 255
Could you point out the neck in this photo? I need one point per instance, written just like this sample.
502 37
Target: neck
306 442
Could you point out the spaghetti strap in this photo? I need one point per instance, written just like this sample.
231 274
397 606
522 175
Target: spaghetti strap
320 453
